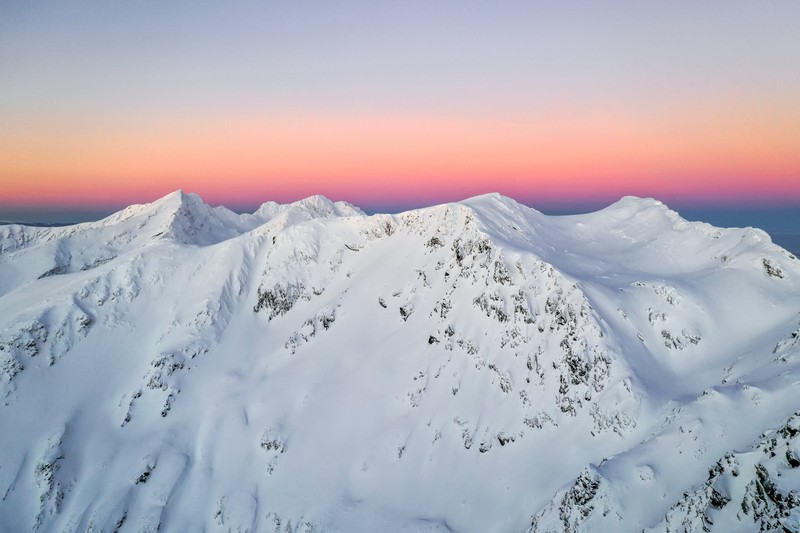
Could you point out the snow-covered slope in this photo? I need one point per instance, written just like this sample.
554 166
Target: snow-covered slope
476 366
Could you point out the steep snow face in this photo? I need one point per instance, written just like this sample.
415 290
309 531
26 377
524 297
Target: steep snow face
476 366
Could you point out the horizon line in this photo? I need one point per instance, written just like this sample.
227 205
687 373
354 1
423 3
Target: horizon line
72 212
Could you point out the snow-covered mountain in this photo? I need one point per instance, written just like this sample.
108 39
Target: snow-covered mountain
476 366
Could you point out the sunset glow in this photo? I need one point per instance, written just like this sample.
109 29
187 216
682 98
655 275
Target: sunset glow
239 125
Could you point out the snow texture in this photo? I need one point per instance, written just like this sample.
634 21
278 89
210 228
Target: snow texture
471 367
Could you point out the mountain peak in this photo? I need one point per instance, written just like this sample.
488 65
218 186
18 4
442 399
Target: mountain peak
493 199
177 195
485 197
179 199
315 206
324 205
168 203
461 348
315 200
632 213
634 205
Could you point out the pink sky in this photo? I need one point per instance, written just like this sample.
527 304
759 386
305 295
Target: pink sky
385 159
399 104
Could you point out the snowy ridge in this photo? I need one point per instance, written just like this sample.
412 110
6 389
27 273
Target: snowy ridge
475 366
179 217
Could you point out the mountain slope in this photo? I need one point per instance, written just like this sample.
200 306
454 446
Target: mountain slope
476 366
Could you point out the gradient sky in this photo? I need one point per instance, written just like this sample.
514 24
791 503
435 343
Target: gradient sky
398 104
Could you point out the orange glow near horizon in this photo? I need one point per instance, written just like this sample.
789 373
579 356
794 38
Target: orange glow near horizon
366 159
398 104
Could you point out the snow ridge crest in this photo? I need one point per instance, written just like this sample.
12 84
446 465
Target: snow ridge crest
299 367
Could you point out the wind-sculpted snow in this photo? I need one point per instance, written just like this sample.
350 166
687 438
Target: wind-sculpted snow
475 366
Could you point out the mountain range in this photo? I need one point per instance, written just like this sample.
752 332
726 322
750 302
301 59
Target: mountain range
470 367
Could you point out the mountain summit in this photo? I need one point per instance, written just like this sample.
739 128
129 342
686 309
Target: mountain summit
475 366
